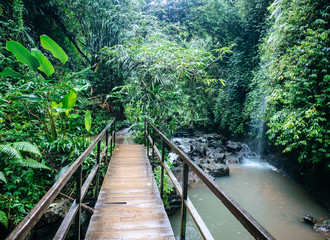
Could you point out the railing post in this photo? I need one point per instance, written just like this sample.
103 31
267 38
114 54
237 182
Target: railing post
78 201
98 170
148 142
145 128
162 171
153 150
184 198
106 145
114 134
111 132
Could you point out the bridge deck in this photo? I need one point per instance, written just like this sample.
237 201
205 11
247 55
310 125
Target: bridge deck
129 204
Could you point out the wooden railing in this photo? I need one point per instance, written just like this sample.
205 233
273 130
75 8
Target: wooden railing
74 214
255 229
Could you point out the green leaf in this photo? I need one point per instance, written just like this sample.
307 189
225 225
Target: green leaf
73 116
223 83
61 172
88 120
26 147
9 72
3 219
2 177
80 88
11 151
30 163
45 64
49 44
62 109
22 54
31 98
77 73
69 100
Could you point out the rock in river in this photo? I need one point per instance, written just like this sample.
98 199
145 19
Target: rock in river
216 169
234 146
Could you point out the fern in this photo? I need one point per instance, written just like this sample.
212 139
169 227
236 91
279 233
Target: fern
28 162
11 151
3 219
2 177
26 147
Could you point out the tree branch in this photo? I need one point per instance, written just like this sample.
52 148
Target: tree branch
60 23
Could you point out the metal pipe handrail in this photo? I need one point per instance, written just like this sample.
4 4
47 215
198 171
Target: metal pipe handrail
27 224
255 228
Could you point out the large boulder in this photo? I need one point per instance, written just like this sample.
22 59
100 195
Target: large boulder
214 136
234 146
198 151
51 220
57 211
215 169
215 144
184 132
219 158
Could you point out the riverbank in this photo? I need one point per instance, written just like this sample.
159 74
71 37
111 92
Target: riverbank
314 178
284 195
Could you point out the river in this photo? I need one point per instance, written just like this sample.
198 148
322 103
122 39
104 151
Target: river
276 202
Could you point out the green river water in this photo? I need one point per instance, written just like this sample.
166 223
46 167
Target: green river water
276 202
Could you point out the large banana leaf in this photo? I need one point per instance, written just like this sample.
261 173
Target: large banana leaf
45 64
22 54
50 45
9 72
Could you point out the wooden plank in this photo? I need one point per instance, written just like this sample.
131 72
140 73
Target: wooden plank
129 204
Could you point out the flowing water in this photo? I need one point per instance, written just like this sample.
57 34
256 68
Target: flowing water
276 202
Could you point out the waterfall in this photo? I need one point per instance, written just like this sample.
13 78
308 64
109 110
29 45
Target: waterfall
260 127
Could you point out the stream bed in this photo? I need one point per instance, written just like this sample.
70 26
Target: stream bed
275 201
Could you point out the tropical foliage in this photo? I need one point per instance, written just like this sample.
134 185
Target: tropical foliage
236 67
296 54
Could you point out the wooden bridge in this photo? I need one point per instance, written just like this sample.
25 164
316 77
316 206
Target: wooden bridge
129 205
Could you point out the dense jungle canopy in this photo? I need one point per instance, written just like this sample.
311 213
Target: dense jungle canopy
227 66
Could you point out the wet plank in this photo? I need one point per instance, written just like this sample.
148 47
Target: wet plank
129 205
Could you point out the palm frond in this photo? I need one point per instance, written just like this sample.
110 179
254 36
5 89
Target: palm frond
28 162
3 219
26 147
11 151
2 177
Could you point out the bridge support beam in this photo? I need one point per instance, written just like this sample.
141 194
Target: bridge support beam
97 187
162 172
183 204
78 201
